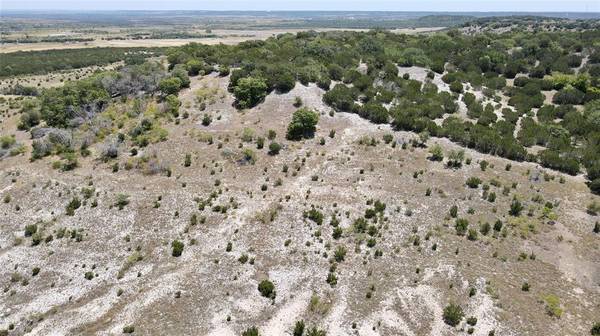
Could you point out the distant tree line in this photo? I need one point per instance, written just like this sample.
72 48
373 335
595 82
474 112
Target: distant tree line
45 61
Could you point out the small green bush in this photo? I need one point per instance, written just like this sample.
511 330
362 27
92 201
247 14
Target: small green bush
177 248
453 314
473 182
267 289
252 331
274 148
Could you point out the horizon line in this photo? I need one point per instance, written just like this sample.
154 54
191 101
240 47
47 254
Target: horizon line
287 10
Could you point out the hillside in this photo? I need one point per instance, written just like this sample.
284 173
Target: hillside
338 183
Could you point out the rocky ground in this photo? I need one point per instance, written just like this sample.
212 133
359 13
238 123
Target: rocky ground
113 268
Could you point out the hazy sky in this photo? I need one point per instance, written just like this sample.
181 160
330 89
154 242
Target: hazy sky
398 5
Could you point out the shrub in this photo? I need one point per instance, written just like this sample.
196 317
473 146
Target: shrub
456 87
29 119
568 95
485 228
387 138
250 91
224 70
324 83
303 124
553 305
206 120
30 230
498 226
249 156
456 158
437 154
36 238
595 186
472 235
337 232
194 66
341 97
331 279
6 141
299 328
274 148
171 105
122 201
170 86
128 329
483 165
297 102
260 142
340 253
515 208
593 208
375 113
461 226
177 248
453 211
267 289
73 205
252 331
473 182
595 329
453 314
315 216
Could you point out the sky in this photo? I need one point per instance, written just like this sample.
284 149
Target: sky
369 5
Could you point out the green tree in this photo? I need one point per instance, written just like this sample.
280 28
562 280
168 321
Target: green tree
250 91
194 67
181 72
303 125
170 86
60 105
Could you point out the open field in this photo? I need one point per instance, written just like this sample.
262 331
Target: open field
223 36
